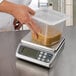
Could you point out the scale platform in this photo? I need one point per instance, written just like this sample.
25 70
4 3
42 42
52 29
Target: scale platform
38 54
27 40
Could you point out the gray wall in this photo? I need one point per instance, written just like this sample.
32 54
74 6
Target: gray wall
74 12
55 6
58 4
55 3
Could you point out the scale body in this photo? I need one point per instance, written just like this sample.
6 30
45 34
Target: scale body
39 54
36 53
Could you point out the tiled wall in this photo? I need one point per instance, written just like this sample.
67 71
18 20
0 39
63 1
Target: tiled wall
69 11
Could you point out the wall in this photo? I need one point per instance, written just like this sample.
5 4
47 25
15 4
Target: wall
74 12
65 6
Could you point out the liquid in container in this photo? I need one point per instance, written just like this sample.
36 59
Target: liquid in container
51 25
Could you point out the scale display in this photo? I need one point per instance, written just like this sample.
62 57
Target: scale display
28 52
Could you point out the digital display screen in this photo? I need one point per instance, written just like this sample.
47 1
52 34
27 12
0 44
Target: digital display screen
29 52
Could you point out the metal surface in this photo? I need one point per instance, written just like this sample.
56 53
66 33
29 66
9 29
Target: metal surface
10 66
27 40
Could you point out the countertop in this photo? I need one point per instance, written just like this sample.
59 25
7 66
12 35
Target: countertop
11 66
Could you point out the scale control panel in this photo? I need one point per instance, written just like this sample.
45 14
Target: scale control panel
35 54
45 57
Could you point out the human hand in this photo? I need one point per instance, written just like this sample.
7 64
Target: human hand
23 15
17 24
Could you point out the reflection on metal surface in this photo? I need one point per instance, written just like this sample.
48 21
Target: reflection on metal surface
27 69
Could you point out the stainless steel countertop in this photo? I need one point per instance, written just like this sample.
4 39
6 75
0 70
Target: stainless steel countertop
10 66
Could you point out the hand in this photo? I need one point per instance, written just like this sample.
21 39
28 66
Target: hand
17 24
23 15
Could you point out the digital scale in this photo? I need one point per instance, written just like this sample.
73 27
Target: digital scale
40 54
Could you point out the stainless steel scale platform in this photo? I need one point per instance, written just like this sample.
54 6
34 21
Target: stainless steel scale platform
39 54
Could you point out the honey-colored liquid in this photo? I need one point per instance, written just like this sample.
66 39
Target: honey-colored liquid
50 37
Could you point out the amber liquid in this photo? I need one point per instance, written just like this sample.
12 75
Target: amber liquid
50 38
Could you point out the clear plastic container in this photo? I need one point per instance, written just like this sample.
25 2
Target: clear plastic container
51 25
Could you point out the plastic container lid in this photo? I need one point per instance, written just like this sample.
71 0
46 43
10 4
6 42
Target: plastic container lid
49 16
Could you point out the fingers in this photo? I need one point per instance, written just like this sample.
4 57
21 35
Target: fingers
31 24
24 17
32 12
34 27
17 24
35 34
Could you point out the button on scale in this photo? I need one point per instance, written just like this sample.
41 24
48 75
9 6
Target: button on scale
41 52
45 53
39 58
40 55
44 56
43 60
47 60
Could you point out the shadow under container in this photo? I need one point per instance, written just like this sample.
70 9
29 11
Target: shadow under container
51 25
